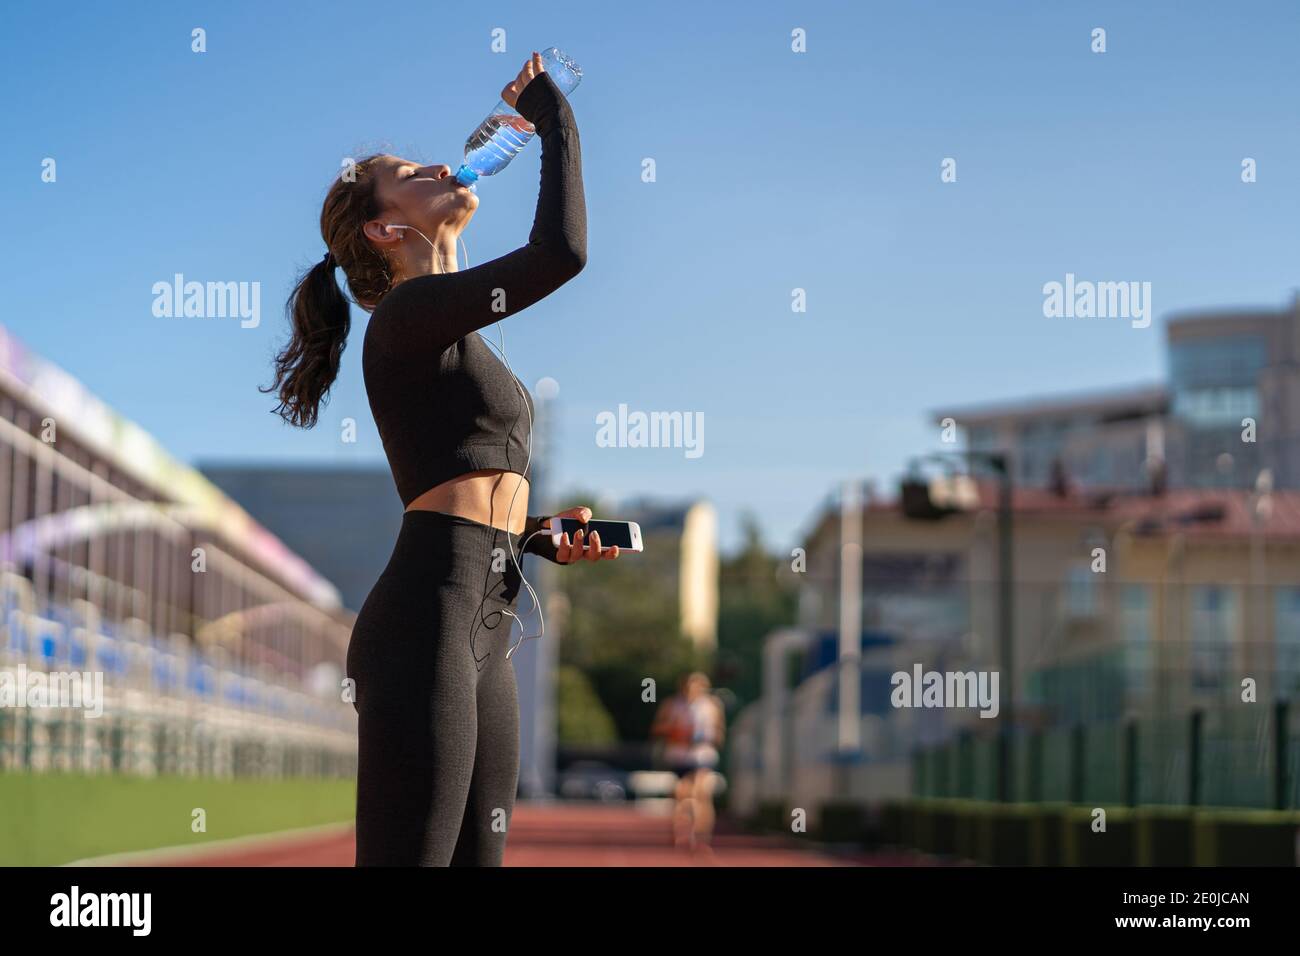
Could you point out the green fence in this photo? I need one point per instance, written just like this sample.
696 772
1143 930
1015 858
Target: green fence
1247 757
1057 834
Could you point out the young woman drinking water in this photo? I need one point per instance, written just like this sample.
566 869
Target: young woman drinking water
438 716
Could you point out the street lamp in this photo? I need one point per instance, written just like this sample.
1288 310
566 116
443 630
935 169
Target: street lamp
917 503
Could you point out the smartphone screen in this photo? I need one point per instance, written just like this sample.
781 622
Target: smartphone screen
612 533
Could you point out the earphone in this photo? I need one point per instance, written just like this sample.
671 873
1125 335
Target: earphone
537 604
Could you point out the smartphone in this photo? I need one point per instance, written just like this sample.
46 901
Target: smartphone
626 535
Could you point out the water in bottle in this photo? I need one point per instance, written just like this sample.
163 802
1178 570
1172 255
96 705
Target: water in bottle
501 136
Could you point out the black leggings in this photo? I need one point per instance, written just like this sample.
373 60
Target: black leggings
438 724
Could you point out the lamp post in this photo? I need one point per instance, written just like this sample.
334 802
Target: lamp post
1006 631
850 656
1000 463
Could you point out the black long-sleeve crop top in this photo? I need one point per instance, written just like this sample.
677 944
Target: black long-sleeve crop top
444 402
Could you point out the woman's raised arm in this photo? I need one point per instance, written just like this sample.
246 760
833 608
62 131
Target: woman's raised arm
433 311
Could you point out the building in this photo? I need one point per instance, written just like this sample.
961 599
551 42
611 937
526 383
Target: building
1196 585
1225 368
1226 371
1151 652
1127 610
344 520
681 546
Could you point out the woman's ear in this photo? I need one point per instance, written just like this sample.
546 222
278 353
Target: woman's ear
381 233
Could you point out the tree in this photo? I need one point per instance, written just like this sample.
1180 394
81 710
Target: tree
754 599
624 625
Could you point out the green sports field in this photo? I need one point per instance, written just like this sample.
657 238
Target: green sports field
48 819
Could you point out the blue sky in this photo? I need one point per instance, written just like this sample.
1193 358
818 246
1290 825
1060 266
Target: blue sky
775 171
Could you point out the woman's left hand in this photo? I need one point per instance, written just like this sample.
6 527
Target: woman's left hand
570 551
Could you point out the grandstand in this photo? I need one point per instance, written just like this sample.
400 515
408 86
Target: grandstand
221 651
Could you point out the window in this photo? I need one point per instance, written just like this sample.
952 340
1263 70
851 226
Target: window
983 437
1039 442
1229 360
1214 622
1081 591
1286 637
1214 382
1135 632
1224 405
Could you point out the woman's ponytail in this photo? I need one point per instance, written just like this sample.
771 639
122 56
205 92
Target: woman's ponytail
317 310
319 318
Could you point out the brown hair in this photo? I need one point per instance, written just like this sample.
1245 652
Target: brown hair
317 310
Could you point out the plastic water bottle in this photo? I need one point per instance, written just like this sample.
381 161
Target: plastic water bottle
501 136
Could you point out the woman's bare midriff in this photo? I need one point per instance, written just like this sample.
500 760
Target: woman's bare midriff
482 496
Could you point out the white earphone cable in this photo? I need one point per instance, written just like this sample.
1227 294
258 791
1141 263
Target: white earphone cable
537 604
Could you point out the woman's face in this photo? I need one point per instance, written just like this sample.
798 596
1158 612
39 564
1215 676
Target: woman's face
426 197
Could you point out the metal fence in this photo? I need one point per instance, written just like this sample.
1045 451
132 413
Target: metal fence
164 705
1245 757
1116 723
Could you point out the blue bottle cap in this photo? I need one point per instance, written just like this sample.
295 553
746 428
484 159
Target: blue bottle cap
466 176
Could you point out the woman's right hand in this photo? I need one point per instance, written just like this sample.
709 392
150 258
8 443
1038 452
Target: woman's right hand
516 86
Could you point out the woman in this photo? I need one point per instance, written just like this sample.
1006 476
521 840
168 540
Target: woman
438 715
693 814
673 727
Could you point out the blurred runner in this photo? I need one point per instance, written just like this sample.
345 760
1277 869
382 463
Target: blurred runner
673 728
693 816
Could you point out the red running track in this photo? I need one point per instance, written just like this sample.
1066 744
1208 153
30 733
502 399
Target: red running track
563 834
